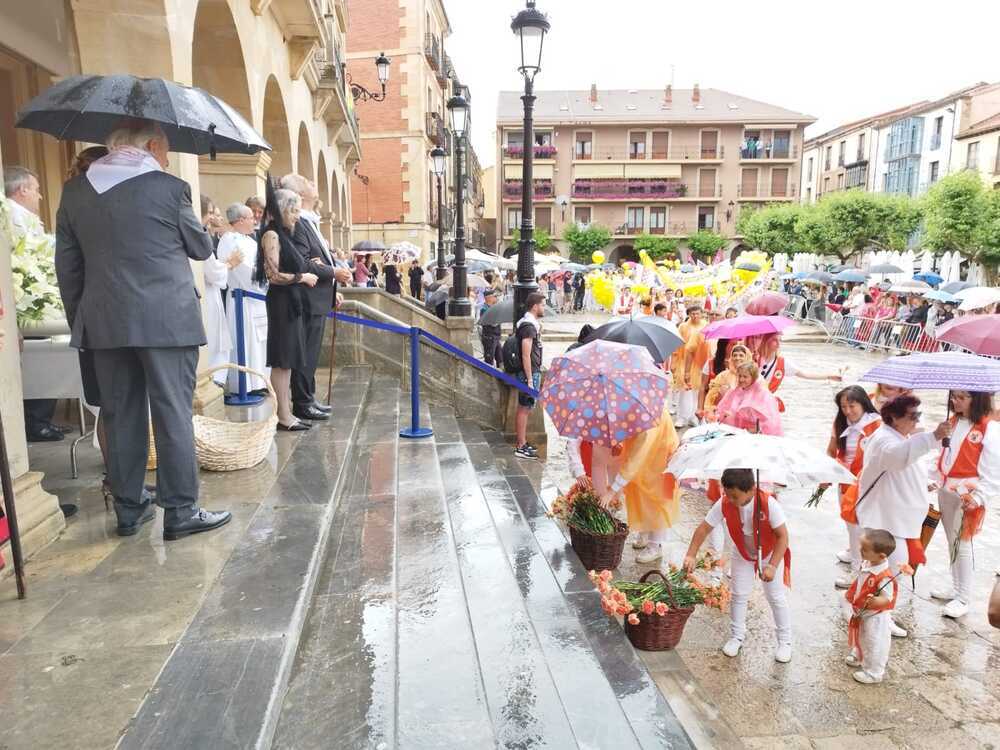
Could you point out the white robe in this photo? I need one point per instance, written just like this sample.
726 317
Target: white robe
254 311
216 330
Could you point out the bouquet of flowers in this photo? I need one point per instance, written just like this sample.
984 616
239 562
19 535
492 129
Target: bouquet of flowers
581 509
33 271
815 497
630 599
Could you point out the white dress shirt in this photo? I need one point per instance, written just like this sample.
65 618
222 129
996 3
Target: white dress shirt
853 434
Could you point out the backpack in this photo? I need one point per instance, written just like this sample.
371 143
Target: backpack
511 352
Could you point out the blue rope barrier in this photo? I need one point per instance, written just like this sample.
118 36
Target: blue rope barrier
370 323
500 375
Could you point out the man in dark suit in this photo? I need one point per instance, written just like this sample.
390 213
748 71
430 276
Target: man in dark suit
125 232
310 243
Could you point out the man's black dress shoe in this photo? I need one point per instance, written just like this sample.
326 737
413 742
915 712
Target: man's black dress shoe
44 434
69 509
325 408
311 414
64 429
200 520
297 427
132 529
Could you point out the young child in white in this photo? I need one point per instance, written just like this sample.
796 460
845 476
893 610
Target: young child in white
736 513
872 597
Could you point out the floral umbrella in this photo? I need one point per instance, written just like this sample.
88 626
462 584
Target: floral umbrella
401 253
605 392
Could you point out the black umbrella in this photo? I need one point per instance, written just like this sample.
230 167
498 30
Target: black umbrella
502 312
657 339
89 108
436 297
368 246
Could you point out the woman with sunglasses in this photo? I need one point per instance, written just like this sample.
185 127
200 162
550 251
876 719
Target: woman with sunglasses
892 488
967 472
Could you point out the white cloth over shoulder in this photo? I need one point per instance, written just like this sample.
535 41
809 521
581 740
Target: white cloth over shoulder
121 164
254 311
898 500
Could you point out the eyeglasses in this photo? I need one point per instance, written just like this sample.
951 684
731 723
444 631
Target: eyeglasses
914 415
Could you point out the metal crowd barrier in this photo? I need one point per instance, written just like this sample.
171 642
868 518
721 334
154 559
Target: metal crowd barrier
886 335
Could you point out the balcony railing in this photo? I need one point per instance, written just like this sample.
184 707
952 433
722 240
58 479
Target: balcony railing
642 189
435 130
673 229
543 190
766 191
540 152
432 51
766 151
675 153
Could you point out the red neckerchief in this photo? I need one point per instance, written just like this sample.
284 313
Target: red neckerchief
858 597
731 514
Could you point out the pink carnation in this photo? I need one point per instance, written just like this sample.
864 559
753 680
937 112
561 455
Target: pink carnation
647 607
633 619
661 609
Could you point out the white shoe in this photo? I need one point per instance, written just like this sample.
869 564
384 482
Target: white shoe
680 424
866 679
897 632
783 653
732 647
955 608
852 661
944 594
694 421
640 541
844 556
843 582
652 553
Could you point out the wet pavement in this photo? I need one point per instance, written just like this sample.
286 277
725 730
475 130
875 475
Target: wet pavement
941 688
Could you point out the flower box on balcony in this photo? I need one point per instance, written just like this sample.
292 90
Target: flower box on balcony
540 152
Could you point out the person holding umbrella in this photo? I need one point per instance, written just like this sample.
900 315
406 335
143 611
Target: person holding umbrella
687 365
774 367
967 473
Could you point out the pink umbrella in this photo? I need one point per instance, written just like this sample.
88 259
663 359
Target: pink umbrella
746 325
604 392
980 334
768 303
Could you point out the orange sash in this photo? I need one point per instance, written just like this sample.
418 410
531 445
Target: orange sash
966 466
858 597
731 514
849 492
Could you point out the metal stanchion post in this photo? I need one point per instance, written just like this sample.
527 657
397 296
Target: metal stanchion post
415 430
242 398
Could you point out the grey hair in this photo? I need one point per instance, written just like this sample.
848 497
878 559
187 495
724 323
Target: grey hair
138 134
296 183
15 178
237 211
286 199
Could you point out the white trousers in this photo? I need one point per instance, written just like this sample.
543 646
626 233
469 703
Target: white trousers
854 545
899 556
741 586
950 506
876 640
687 402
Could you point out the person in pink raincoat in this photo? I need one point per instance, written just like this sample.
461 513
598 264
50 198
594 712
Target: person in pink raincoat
750 405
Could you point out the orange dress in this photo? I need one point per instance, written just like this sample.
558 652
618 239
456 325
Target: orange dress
652 498
695 347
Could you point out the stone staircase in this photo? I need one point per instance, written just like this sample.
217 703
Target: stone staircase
451 612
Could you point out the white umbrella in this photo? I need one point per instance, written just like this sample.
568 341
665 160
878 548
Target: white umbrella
978 297
782 460
911 286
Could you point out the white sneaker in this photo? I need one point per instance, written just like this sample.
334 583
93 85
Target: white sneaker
783 653
955 608
852 661
640 541
844 556
897 632
843 582
945 594
732 647
680 424
866 679
652 553
694 422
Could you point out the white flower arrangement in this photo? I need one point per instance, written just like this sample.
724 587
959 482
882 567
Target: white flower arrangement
33 272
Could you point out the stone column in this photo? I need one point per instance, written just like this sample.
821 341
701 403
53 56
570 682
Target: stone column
38 514
232 178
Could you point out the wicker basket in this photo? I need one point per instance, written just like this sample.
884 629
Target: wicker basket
659 632
599 551
221 445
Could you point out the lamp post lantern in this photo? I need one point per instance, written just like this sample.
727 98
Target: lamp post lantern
360 93
438 157
530 26
460 306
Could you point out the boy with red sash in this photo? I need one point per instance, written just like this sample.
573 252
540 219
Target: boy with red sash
755 523
872 597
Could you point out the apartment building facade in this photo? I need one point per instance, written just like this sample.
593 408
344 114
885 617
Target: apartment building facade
394 190
666 162
977 147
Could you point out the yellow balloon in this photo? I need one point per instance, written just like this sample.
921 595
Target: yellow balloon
597 257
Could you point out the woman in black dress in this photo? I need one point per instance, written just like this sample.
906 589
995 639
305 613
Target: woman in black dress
287 308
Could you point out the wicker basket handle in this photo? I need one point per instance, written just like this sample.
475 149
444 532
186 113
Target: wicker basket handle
670 589
241 368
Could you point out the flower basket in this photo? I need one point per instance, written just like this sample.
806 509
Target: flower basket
230 446
599 551
659 632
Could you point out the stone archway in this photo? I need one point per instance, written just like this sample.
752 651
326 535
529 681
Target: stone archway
218 66
737 250
304 160
276 129
623 253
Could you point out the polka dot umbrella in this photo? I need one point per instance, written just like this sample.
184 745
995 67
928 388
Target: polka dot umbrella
605 392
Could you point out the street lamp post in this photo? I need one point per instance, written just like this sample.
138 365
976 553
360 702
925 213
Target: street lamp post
530 26
460 306
360 93
438 156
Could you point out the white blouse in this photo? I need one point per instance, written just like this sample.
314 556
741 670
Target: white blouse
853 434
988 484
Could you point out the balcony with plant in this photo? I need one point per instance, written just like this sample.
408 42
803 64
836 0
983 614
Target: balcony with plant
540 152
634 189
543 190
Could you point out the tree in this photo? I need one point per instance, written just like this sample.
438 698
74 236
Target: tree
656 246
988 235
585 241
773 230
961 214
858 220
705 244
542 239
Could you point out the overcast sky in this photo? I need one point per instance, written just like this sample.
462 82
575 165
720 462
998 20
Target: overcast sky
853 59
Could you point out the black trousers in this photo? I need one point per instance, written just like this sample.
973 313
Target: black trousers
38 413
304 381
492 351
